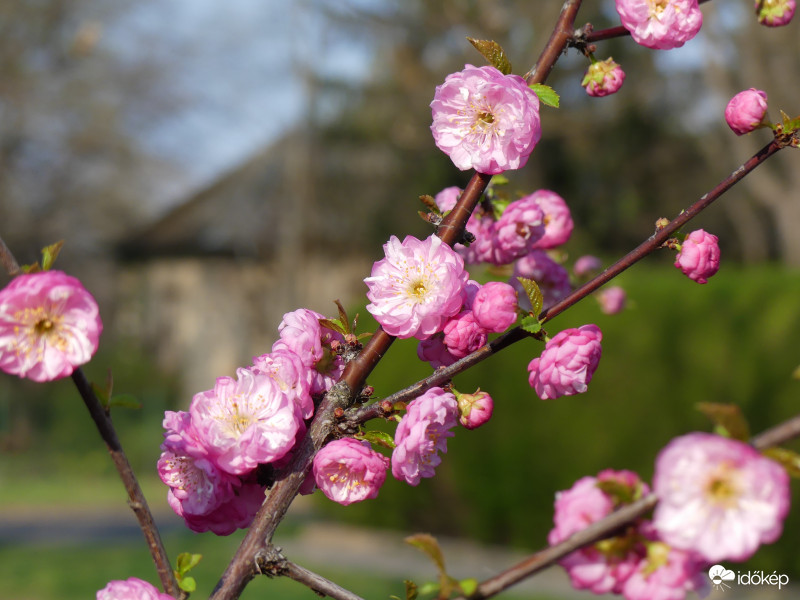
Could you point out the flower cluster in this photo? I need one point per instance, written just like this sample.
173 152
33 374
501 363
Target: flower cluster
485 120
719 500
49 325
660 24
212 455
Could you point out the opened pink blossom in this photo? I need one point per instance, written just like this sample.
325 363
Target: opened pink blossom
131 589
699 255
49 325
718 497
746 111
517 230
246 421
558 224
485 120
349 470
567 364
422 434
289 372
660 24
417 287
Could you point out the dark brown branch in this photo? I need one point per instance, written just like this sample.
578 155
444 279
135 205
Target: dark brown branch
562 34
136 499
317 583
609 525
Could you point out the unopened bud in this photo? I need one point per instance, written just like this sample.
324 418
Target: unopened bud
746 111
474 409
603 78
775 13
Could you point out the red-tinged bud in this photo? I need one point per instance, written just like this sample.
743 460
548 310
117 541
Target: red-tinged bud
474 409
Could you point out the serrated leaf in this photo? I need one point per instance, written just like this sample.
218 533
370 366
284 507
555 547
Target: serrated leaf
530 324
187 584
494 53
334 325
125 401
468 586
428 544
381 438
364 336
788 459
727 418
534 294
547 95
49 255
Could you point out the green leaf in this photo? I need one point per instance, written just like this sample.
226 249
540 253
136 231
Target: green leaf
534 295
494 53
34 268
531 324
429 588
49 255
428 544
790 125
334 325
187 561
788 459
547 95
125 401
101 393
728 420
381 438
187 584
411 590
468 586
500 180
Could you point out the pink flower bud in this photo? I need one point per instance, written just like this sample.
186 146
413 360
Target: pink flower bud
698 257
517 230
463 335
660 24
495 306
558 224
775 13
349 470
567 364
586 265
49 325
746 111
612 300
434 351
603 78
485 120
474 409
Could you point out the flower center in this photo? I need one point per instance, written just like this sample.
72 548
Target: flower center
657 7
418 289
44 326
721 488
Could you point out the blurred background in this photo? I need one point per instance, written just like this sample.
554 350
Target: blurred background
212 166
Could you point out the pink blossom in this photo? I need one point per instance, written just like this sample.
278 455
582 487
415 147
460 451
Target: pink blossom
485 120
604 566
434 351
463 335
698 256
746 111
775 13
301 334
567 364
245 422
718 497
474 409
348 470
666 574
495 306
586 265
552 278
660 24
131 589
612 299
558 222
603 78
416 287
288 371
237 513
422 434
517 230
49 325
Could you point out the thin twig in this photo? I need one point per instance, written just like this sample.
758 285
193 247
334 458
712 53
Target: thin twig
317 583
609 525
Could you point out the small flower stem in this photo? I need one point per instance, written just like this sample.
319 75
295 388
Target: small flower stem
607 527
316 583
136 499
